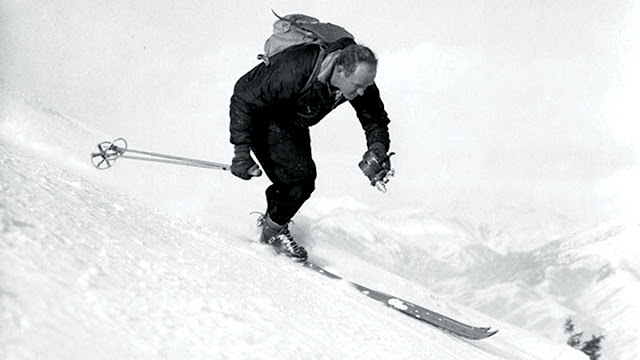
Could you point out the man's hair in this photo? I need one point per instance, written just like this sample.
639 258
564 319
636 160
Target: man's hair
355 54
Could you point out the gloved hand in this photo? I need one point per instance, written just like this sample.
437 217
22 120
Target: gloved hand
376 164
242 164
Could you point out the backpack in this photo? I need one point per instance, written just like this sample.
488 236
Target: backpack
298 29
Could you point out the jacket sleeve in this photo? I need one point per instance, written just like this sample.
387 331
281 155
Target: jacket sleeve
372 116
260 89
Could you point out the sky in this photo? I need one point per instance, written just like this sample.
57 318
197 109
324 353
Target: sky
491 100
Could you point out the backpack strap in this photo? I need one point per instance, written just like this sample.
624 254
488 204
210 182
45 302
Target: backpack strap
325 50
316 70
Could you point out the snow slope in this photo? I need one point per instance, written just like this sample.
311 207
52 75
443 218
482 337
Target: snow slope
89 271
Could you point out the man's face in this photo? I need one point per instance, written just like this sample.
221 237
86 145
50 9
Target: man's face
355 83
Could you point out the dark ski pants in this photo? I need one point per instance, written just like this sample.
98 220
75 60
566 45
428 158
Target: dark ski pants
285 156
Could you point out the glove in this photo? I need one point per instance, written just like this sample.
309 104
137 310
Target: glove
376 164
242 164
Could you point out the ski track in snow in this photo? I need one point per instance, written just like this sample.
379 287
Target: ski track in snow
86 273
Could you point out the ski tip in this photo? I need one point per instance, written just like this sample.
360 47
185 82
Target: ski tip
490 333
480 334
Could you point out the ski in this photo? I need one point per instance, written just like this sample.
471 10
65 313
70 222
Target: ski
415 311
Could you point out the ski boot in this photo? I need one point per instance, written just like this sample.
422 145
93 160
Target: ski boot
279 237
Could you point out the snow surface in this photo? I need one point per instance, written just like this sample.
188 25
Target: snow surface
87 271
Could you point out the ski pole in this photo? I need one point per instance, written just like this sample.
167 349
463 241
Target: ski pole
110 151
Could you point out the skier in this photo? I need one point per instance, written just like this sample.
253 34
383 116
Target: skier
271 110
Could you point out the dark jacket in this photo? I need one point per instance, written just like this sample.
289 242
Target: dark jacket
275 93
